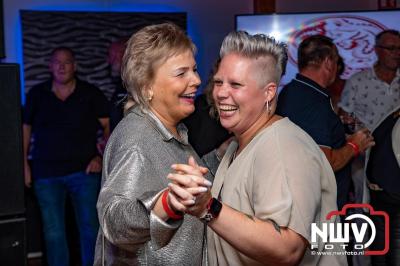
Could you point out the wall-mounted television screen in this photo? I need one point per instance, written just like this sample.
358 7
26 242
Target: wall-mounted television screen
352 32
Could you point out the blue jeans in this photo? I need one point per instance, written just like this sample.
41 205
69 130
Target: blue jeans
51 193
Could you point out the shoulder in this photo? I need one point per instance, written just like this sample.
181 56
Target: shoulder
127 135
39 92
361 76
288 132
134 129
87 87
291 88
289 148
296 145
396 140
41 87
287 135
298 92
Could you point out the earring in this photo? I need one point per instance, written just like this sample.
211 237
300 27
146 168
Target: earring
150 95
268 110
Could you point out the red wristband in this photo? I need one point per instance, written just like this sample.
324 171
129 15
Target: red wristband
171 214
355 148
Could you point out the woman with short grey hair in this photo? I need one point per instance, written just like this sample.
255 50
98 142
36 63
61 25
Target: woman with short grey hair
273 182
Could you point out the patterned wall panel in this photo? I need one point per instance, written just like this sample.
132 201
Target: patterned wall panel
88 34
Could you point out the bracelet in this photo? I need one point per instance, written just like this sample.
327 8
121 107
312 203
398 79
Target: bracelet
355 148
171 214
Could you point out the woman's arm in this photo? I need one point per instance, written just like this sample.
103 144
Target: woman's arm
261 240
264 241
127 198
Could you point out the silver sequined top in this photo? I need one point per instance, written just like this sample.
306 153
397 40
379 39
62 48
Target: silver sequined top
137 160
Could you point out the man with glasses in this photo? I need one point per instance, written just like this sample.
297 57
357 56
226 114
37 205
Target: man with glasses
371 94
370 97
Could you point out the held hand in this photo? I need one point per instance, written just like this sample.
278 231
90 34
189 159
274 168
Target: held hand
188 186
190 200
347 119
362 138
188 190
27 175
95 165
200 207
189 181
191 168
192 162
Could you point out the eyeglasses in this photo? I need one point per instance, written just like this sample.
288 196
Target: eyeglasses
389 48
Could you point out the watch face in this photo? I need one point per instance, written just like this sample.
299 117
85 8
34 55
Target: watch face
215 207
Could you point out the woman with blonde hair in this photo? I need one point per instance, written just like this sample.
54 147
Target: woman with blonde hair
138 224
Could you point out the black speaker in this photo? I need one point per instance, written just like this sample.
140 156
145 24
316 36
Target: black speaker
2 50
12 242
11 156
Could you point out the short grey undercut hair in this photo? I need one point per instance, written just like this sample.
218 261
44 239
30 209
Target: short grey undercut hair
271 54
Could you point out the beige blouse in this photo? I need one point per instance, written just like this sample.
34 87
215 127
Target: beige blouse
281 175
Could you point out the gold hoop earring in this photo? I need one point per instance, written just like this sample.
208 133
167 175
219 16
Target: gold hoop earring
150 95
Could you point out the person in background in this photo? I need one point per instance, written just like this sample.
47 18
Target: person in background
63 115
383 170
372 94
138 224
368 98
306 102
114 59
273 182
336 88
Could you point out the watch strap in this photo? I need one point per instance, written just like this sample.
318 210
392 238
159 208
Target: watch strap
213 209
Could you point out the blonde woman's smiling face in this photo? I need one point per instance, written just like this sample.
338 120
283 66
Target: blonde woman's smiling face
174 87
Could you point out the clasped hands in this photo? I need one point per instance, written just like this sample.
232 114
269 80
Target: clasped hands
189 191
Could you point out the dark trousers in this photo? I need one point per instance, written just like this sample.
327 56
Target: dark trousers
382 201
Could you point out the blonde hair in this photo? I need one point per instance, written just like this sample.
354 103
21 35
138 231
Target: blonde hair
146 50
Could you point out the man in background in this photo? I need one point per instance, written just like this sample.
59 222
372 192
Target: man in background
306 102
64 115
371 98
370 95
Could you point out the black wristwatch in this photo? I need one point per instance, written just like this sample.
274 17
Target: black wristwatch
213 209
